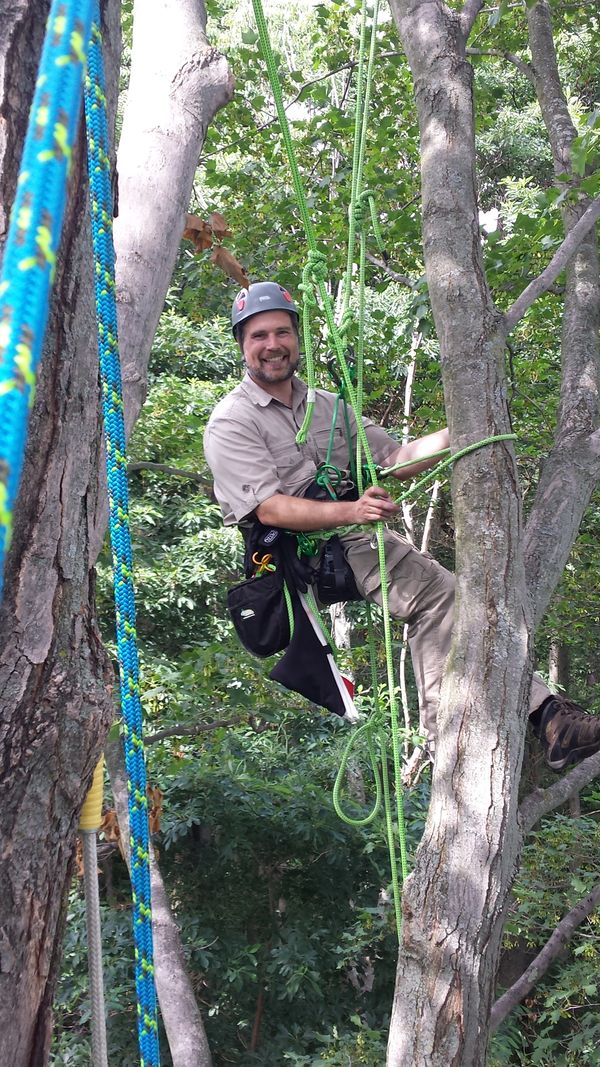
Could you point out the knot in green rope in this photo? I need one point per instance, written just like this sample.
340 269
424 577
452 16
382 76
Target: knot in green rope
308 292
346 322
316 267
360 213
367 480
328 477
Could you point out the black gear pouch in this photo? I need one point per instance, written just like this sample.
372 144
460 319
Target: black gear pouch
258 606
335 578
259 613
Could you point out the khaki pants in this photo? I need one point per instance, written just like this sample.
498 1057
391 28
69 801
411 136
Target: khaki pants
421 593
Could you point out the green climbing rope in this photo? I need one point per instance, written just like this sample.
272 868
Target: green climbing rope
313 279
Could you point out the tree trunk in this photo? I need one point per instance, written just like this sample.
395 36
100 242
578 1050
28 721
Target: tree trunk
454 901
55 703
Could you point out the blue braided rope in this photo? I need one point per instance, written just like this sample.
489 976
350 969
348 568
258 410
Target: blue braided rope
25 285
116 468
33 238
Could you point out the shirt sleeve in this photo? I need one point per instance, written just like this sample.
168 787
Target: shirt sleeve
243 470
383 445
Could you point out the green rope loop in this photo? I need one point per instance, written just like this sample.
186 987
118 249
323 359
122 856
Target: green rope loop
308 544
347 322
328 477
367 731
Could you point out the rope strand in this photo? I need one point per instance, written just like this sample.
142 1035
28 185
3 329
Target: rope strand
116 471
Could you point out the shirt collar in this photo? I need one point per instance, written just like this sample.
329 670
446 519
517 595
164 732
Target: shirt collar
263 399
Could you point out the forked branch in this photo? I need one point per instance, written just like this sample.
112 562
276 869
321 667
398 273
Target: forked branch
556 942
557 264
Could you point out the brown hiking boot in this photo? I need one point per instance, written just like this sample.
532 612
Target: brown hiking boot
567 733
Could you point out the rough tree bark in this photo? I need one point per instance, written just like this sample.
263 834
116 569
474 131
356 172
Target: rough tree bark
455 899
54 701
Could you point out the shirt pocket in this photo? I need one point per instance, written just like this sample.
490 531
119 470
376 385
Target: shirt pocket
295 468
318 444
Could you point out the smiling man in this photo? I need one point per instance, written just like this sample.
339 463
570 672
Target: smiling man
262 475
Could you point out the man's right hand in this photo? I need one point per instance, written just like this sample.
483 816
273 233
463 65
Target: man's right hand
299 514
375 505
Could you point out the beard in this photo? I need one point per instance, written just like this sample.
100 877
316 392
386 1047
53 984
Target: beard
263 374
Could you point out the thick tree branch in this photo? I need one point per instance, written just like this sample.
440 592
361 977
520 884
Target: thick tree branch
570 472
164 468
541 801
556 942
498 53
469 13
187 729
556 265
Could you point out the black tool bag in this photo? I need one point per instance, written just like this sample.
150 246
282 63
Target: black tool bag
257 606
283 549
259 613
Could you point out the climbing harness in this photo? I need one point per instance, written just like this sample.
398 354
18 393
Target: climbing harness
25 285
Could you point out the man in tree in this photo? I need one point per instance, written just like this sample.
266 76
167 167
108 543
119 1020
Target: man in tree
262 474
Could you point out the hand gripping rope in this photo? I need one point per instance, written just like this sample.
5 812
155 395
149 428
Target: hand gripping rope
25 285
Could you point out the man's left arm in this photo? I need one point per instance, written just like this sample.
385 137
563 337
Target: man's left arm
420 454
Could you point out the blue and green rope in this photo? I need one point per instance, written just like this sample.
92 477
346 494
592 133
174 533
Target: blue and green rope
116 470
25 285
33 238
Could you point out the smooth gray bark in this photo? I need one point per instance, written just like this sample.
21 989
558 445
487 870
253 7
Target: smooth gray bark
178 83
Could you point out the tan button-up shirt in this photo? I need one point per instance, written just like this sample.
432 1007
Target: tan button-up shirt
250 445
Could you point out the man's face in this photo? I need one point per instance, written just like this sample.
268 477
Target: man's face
270 347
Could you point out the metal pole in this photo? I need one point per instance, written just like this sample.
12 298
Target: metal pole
94 939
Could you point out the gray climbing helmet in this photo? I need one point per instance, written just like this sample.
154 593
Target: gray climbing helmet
262 296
